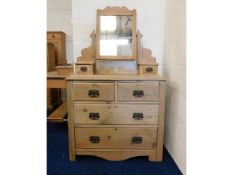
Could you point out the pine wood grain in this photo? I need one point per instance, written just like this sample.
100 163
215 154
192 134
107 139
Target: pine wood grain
116 114
105 90
120 138
150 91
161 121
70 121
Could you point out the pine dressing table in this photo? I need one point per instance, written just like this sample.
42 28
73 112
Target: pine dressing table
116 112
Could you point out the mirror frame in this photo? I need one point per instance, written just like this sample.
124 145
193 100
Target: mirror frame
116 11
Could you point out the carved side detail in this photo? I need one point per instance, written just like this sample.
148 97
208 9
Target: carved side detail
144 54
88 54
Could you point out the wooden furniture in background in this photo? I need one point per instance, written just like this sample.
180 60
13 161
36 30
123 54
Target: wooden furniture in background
119 114
51 65
57 80
64 70
58 39
56 55
53 98
53 95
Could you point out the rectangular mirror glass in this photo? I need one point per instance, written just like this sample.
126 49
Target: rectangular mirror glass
115 35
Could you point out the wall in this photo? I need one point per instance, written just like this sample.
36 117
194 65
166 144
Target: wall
59 15
150 21
175 70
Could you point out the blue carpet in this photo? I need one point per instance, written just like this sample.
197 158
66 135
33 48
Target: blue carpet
58 160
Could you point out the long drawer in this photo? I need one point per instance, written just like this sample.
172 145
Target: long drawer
138 91
93 91
122 138
116 114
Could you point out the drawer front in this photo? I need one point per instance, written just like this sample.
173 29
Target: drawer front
53 36
84 69
149 69
122 138
93 91
141 91
146 114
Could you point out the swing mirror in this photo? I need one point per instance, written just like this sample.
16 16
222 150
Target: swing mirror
116 34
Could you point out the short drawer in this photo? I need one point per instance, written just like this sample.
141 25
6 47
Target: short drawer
53 36
141 91
118 138
93 91
149 69
84 69
137 114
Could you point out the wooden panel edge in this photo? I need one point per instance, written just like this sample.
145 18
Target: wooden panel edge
160 132
70 121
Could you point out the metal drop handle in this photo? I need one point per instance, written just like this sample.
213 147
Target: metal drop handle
137 116
136 140
94 139
138 93
149 69
93 93
94 116
83 69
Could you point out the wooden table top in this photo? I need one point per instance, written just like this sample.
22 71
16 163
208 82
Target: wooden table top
55 75
115 77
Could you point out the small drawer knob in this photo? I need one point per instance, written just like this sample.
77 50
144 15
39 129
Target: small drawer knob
136 140
137 116
149 69
94 139
93 93
94 116
83 69
138 93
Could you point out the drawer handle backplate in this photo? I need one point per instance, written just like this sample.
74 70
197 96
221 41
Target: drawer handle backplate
83 69
137 116
93 93
138 93
136 140
94 139
149 69
94 116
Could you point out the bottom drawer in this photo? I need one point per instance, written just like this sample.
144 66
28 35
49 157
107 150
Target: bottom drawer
116 137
